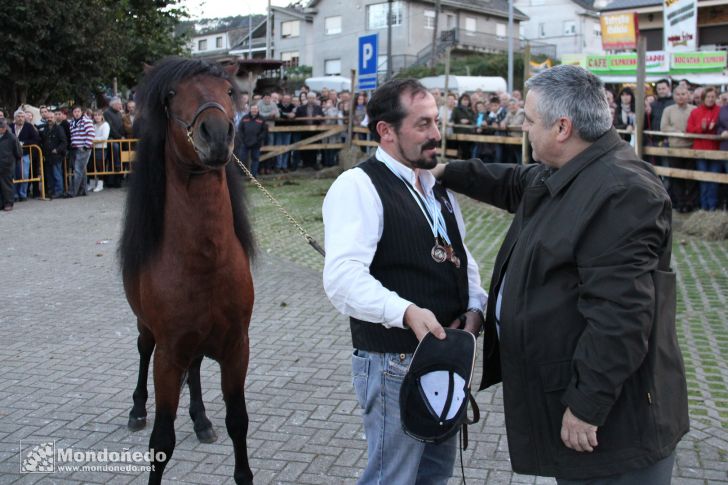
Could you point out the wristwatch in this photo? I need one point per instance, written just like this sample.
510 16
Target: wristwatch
476 310
482 318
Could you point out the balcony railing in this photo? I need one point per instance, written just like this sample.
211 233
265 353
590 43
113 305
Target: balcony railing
465 40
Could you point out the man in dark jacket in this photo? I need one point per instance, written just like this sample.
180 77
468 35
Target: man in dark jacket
253 132
310 110
582 295
287 113
114 117
663 100
27 135
10 155
55 148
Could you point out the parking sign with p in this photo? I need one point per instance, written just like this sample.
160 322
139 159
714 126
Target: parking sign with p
368 61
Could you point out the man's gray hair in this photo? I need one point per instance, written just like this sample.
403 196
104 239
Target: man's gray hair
572 92
115 99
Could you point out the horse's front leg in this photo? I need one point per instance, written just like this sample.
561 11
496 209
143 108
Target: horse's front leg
233 369
203 427
138 413
168 375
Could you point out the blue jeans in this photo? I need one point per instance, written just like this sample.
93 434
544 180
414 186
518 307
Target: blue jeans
113 156
79 159
254 158
22 171
56 175
709 190
295 155
283 138
394 457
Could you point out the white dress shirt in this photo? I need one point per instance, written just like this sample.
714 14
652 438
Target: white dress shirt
353 223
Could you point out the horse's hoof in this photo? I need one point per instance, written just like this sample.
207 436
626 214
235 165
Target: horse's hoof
136 424
206 435
244 479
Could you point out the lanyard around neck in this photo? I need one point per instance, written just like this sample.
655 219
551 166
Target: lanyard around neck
428 206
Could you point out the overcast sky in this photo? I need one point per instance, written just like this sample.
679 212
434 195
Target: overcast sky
224 8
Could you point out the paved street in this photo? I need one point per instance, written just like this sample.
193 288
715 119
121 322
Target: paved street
69 364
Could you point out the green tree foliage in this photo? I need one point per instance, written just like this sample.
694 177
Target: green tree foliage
58 51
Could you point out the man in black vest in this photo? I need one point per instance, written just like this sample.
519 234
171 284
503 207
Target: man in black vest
397 266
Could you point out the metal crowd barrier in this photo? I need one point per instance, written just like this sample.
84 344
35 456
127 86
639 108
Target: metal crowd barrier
35 154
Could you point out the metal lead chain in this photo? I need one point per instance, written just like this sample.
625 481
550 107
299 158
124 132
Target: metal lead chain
309 239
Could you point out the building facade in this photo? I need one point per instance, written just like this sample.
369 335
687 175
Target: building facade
712 21
571 25
325 33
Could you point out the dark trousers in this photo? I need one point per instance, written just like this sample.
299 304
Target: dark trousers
254 152
658 474
7 191
295 155
113 162
96 162
515 154
685 192
308 158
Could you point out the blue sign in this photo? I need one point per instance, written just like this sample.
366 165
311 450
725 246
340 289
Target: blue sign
367 69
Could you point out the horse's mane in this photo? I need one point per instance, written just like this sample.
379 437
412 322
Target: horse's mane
144 213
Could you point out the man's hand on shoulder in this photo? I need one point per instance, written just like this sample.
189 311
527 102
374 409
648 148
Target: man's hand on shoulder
421 321
438 171
577 434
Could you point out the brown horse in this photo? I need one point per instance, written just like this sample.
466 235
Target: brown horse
185 253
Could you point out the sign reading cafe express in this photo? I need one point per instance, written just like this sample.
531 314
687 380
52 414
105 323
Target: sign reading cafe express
619 31
658 63
617 64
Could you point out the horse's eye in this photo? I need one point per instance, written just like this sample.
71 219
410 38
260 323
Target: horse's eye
171 93
230 92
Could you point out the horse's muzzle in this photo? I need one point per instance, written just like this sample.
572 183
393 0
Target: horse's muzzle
214 140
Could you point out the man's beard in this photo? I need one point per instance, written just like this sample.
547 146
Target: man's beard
423 161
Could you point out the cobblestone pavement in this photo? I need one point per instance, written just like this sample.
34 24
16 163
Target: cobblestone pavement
69 365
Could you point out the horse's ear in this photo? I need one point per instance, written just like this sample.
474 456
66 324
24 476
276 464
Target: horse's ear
231 69
147 67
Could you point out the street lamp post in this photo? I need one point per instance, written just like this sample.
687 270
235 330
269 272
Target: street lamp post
389 40
510 46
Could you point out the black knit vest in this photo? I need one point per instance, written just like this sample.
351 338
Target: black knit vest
403 264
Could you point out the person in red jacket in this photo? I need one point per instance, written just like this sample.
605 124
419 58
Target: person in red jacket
704 120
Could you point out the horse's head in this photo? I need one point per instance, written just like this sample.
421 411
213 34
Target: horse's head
200 113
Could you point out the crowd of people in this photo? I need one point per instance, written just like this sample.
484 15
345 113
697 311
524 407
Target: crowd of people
674 109
79 140
681 109
476 112
260 112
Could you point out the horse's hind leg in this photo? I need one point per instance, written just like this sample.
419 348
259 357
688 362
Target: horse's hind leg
145 345
233 389
167 385
203 427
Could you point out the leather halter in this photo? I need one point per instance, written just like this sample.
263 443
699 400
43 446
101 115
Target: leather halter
203 107
189 128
